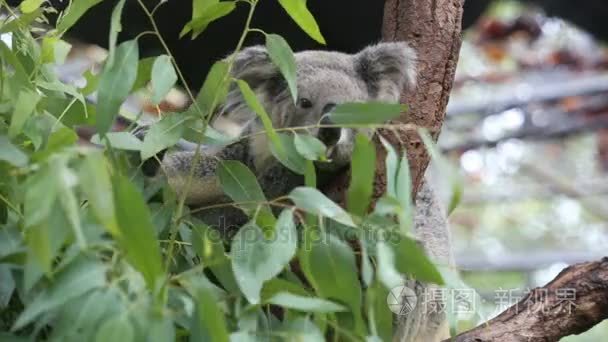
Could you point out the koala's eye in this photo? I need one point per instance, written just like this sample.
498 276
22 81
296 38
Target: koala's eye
304 103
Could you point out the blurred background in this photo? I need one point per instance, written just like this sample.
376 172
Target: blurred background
527 126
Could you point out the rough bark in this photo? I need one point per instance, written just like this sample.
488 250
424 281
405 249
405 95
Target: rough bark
547 314
432 27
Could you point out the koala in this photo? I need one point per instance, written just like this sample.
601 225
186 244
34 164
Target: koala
324 79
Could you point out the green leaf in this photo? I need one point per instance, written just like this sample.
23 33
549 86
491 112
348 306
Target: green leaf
213 92
365 113
95 183
392 168
388 274
116 328
208 320
115 84
137 235
24 108
76 10
446 168
209 14
363 167
310 147
115 28
37 208
306 304
208 245
299 13
329 265
11 154
66 180
29 6
144 73
78 278
412 260
163 134
314 202
241 185
54 50
163 78
289 155
278 285
7 286
282 56
257 258
255 105
379 315
302 330
119 140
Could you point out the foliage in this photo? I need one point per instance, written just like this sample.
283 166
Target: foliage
91 250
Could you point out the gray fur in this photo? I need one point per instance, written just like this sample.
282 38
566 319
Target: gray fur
378 73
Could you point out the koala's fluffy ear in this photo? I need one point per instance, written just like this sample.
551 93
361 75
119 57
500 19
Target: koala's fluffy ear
387 65
253 65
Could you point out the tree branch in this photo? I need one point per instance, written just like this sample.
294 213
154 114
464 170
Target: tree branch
575 301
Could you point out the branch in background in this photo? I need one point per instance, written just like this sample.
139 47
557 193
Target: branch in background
574 302
573 85
576 127
564 186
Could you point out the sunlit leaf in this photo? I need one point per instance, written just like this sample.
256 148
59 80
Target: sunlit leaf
282 56
392 168
289 155
28 6
115 84
163 78
315 202
365 113
363 167
411 259
298 11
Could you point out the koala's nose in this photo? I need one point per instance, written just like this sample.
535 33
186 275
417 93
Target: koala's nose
328 135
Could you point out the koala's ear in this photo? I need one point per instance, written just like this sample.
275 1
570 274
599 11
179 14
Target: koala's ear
387 65
253 65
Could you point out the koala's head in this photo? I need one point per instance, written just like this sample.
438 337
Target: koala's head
324 79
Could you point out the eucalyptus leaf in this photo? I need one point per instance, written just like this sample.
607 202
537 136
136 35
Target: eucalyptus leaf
12 154
210 13
137 234
208 322
365 113
257 258
310 147
363 167
163 134
115 84
75 10
313 201
298 11
163 78
306 304
282 56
